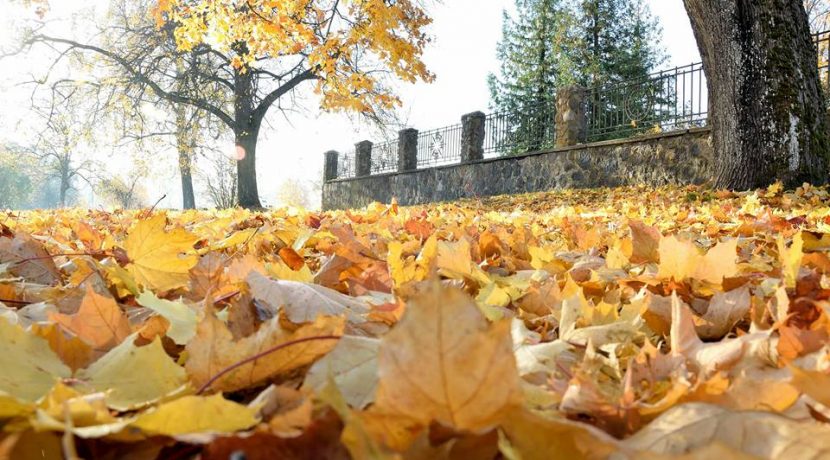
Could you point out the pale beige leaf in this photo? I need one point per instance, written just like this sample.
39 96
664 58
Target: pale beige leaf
762 434
303 302
353 366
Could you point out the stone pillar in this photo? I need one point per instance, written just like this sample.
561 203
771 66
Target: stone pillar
363 158
407 150
472 136
571 119
330 165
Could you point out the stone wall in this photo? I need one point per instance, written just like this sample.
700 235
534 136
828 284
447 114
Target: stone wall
683 157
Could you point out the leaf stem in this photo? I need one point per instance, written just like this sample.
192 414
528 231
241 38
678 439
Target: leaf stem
261 354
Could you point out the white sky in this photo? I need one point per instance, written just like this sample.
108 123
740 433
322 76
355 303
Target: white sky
462 55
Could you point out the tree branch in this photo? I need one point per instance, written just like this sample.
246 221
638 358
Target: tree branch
273 96
141 77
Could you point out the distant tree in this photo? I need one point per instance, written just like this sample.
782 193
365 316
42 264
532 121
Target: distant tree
292 192
65 126
15 183
267 49
818 13
219 178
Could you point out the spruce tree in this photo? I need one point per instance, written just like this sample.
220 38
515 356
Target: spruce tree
551 43
533 59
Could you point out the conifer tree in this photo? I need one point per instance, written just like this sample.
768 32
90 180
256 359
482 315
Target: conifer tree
550 43
534 58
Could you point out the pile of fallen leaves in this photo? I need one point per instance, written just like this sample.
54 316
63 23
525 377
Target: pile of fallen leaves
622 323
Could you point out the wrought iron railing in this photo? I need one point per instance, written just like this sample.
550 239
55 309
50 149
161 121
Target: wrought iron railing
822 41
346 166
440 146
529 129
669 100
665 101
385 157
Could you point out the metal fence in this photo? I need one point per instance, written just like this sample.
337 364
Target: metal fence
664 101
505 133
384 157
669 100
440 146
822 41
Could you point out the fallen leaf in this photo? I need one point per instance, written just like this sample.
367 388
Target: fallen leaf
30 367
181 317
196 415
28 259
761 434
213 349
353 367
135 376
160 258
445 362
99 321
303 302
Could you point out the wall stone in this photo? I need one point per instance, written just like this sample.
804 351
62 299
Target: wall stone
363 158
472 136
683 157
407 150
571 120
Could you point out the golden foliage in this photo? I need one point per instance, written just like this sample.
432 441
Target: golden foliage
566 324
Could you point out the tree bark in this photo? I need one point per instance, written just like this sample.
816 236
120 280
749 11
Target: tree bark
765 104
184 144
185 164
246 132
247 191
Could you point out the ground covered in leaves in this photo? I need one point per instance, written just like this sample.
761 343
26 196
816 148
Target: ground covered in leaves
623 323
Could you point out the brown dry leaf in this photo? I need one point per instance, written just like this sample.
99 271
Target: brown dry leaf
214 349
208 276
692 426
286 411
444 362
73 351
725 310
645 243
28 259
528 436
99 322
708 357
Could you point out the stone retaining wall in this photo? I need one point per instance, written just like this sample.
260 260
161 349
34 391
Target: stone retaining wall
682 157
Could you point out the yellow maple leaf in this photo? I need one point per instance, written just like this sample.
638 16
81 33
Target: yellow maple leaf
195 414
160 259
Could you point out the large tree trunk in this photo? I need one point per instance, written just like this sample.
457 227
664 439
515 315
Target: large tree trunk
765 106
248 193
246 132
185 165
184 144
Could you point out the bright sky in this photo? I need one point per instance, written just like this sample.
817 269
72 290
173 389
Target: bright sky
462 55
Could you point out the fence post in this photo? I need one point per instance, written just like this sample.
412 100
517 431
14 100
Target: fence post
571 119
330 165
472 136
363 158
407 149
